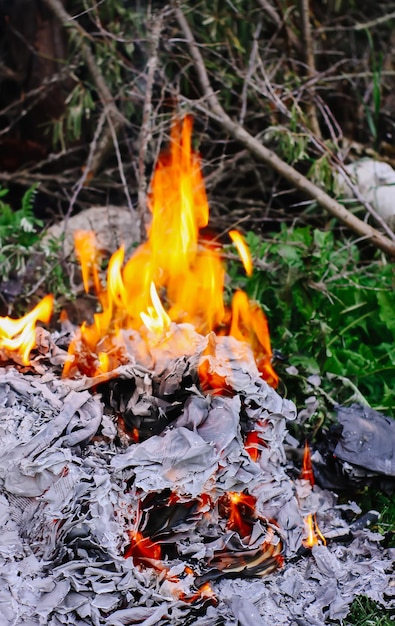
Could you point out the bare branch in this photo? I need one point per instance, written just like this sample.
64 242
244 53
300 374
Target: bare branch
271 158
250 70
310 65
379 20
86 172
145 132
280 23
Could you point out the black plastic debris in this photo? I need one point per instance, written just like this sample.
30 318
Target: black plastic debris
367 439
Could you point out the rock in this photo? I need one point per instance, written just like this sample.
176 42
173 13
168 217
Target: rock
113 226
375 181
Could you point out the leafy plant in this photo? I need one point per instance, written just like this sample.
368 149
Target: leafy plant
366 612
28 261
18 232
330 314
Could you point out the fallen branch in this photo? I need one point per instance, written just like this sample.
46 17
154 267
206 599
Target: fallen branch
238 132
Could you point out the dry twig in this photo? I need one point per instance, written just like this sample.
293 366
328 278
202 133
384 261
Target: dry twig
216 112
271 12
310 65
145 132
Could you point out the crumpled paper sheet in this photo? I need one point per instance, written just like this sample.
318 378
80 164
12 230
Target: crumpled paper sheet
69 493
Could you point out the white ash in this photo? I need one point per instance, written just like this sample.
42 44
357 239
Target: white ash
70 492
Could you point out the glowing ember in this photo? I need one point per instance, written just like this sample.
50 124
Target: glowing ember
19 335
253 444
144 551
241 513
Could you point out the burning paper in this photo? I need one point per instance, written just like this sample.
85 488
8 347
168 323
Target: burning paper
17 337
149 484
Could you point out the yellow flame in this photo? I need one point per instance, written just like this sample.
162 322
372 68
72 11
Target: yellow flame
87 253
186 271
104 362
243 250
156 320
314 535
19 335
249 324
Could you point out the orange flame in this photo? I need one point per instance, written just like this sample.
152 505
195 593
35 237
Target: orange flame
314 535
205 592
86 252
143 551
249 324
172 277
243 251
307 466
241 513
156 320
18 335
253 443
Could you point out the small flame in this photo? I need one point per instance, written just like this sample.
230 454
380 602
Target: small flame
243 251
314 535
249 324
253 443
205 592
18 335
144 551
307 472
87 253
157 321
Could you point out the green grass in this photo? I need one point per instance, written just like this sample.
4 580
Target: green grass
330 312
366 612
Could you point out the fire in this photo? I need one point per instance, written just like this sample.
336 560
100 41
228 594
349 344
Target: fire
243 251
156 320
307 466
87 253
241 512
313 534
249 324
174 278
144 551
19 335
253 444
